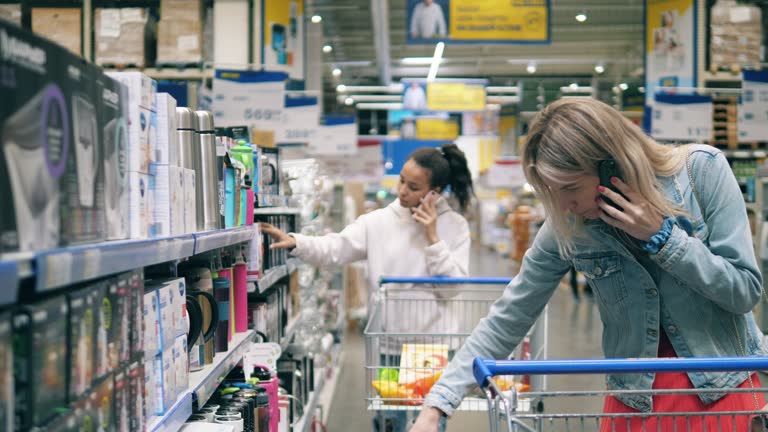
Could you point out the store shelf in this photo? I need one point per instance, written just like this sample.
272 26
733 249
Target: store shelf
174 418
273 275
170 73
209 240
204 382
754 207
290 330
322 396
276 211
293 264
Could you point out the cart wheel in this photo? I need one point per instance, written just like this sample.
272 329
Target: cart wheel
540 407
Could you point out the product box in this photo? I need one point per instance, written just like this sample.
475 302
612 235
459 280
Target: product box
166 148
177 294
181 10
122 314
151 324
140 205
179 42
137 311
176 197
82 184
161 201
11 12
140 120
112 323
6 373
122 397
112 109
33 159
181 364
82 343
190 201
62 25
139 403
122 36
102 403
165 381
40 362
167 317
142 89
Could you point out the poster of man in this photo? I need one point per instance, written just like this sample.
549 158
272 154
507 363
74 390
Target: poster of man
427 19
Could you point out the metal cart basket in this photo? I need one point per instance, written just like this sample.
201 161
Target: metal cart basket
414 328
504 406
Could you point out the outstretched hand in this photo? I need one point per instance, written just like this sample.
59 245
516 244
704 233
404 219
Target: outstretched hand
282 240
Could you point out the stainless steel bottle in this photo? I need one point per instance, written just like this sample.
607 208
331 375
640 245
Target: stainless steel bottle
207 176
186 131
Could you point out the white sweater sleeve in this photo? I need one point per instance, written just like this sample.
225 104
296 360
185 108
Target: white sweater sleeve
334 249
444 259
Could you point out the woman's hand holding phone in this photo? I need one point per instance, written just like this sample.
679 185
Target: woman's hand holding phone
426 214
636 217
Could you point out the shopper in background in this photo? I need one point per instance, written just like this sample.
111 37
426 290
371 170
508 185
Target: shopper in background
417 235
673 271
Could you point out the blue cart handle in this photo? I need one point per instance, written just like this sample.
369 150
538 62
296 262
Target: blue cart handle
484 369
439 280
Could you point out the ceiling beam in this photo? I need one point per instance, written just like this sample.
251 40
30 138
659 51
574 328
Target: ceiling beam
380 18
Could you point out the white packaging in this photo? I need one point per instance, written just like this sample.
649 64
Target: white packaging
139 139
190 212
151 326
181 364
165 381
141 88
176 198
166 315
166 151
176 289
161 201
150 388
139 205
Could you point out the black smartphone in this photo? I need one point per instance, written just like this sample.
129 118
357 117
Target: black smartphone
606 169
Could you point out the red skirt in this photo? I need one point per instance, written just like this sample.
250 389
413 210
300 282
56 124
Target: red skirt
684 403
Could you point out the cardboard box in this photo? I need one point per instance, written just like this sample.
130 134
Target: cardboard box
181 364
181 10
165 381
161 201
121 36
190 201
166 317
112 323
6 373
112 108
32 163
139 403
61 25
179 42
40 356
166 150
151 324
142 90
176 197
142 121
11 13
82 342
139 204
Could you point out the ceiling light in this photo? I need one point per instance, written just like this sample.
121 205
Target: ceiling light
316 18
349 101
341 88
416 60
327 49
531 68
623 86
574 86
641 89
599 68
581 17
436 61
336 72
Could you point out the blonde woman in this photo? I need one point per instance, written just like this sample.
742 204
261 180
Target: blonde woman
672 266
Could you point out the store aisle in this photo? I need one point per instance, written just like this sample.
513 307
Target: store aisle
575 331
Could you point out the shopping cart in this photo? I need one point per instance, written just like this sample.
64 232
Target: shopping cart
403 360
504 406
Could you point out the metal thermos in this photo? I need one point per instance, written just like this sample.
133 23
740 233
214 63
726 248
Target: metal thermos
208 215
186 127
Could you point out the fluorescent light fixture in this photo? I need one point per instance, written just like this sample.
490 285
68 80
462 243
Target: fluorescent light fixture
574 86
316 18
623 86
416 60
336 72
531 68
349 101
581 17
327 48
341 88
436 61
641 89
599 68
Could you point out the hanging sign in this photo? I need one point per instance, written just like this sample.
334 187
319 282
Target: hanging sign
456 96
252 98
336 136
283 35
506 173
300 121
682 117
753 109
429 128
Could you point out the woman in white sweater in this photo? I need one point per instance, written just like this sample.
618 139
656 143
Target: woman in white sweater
417 235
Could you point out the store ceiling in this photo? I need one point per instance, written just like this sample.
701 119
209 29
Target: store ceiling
612 35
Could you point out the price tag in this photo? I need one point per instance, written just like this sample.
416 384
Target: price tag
163 251
92 264
58 270
261 354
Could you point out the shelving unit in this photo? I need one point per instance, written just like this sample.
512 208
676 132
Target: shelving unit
276 211
323 393
170 73
273 275
176 416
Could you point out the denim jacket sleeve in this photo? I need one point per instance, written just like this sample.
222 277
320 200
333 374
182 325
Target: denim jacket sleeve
725 271
508 320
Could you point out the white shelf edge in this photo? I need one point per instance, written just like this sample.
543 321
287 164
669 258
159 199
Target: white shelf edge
203 383
169 73
276 211
176 416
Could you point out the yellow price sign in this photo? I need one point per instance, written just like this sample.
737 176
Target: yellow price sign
436 129
500 20
455 97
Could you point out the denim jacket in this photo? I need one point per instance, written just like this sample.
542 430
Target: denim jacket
708 283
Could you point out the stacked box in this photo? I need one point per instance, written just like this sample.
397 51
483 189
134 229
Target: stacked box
82 343
138 407
736 35
62 25
180 32
176 199
11 12
121 36
190 200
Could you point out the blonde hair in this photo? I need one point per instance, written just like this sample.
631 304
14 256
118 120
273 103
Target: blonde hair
570 137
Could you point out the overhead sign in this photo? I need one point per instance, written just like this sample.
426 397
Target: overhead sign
506 173
456 96
472 21
336 136
682 117
301 120
428 128
670 48
283 35
753 110
252 98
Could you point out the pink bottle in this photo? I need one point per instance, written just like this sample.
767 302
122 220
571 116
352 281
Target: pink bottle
227 273
269 382
241 296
